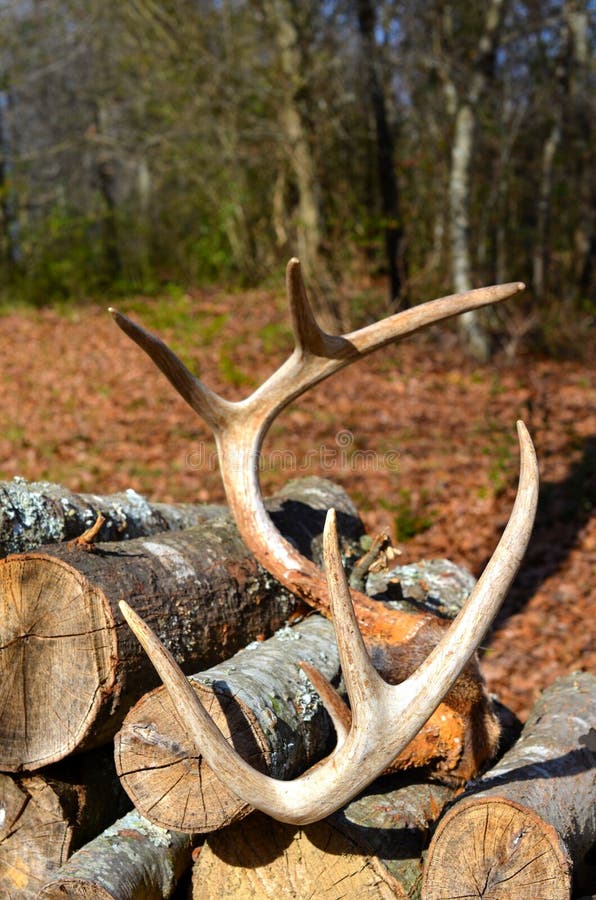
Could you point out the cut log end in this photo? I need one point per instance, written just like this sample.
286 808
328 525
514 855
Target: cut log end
263 858
511 852
58 649
163 774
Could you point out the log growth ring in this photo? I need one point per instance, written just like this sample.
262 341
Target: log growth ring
166 765
58 642
498 850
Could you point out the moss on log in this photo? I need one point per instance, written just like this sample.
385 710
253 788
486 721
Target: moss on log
131 860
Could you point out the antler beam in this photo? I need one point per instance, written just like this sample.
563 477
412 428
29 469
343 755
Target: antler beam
385 717
398 642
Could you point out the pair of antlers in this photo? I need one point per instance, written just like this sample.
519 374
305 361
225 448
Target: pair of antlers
385 717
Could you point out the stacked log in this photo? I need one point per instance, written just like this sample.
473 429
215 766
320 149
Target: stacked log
33 513
264 705
48 815
524 829
74 666
372 848
528 824
130 860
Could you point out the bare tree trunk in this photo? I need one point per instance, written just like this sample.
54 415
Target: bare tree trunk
394 232
541 247
283 18
8 200
107 188
524 825
464 109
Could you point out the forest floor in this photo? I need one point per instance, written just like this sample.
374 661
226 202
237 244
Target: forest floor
421 438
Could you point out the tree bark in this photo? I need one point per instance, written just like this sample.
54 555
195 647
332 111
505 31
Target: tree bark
74 668
265 705
286 21
131 860
523 826
371 848
45 817
33 513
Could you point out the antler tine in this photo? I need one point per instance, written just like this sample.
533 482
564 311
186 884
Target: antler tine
363 683
309 337
336 706
213 409
381 727
240 427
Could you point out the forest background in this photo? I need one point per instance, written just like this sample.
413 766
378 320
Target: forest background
173 155
442 144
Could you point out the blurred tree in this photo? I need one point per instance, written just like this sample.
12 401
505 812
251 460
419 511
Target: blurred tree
388 186
193 140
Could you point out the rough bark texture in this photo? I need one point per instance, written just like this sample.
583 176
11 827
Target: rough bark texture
523 826
371 848
73 666
262 701
265 706
45 817
33 513
131 860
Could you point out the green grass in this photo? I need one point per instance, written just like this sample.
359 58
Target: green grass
409 519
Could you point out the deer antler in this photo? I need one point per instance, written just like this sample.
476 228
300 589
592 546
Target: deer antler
384 717
398 641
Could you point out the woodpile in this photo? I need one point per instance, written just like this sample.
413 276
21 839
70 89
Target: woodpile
71 670
525 828
74 666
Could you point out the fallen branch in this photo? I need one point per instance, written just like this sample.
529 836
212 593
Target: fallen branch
131 860
45 817
523 827
70 666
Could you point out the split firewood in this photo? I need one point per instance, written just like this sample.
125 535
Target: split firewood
370 848
266 706
46 816
522 829
131 860
70 666
33 513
